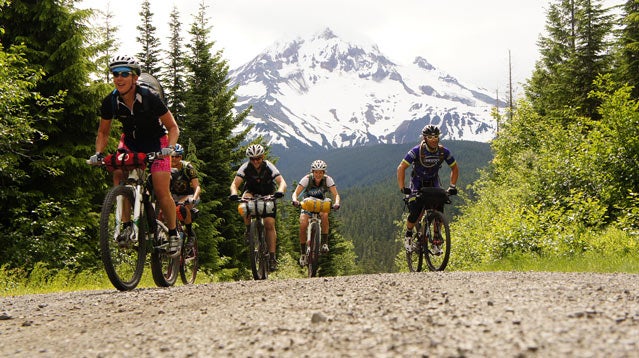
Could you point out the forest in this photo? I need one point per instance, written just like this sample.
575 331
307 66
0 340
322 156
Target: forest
560 180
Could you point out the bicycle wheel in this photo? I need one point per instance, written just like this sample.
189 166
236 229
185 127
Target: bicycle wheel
123 259
438 249
256 258
189 262
313 257
415 257
165 268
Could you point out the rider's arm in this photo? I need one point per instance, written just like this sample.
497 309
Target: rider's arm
103 135
297 192
171 126
401 174
281 184
236 184
195 184
336 198
454 174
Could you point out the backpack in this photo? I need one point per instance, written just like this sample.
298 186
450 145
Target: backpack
146 80
147 83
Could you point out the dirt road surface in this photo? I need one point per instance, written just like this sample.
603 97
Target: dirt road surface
450 314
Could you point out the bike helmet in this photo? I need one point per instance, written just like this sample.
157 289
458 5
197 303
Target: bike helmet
430 130
318 165
125 61
254 150
178 151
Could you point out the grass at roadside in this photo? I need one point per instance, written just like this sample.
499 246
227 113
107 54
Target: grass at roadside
43 280
588 262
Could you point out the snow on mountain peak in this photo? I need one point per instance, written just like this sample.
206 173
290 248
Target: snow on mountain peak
324 91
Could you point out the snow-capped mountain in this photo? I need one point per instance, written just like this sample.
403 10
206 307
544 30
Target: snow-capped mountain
326 92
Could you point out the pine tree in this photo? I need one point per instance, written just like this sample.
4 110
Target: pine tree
208 123
57 183
149 57
629 43
573 53
175 69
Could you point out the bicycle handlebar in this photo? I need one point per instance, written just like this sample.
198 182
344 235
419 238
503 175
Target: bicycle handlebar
150 158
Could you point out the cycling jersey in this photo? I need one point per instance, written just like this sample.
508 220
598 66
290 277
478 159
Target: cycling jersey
316 190
142 127
426 165
181 179
262 182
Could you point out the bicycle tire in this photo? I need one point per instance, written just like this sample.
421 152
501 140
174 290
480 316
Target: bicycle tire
313 257
165 269
264 262
123 264
189 262
438 262
415 257
255 251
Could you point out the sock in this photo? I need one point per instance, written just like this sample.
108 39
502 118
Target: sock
172 232
303 248
271 255
325 239
189 229
409 233
126 224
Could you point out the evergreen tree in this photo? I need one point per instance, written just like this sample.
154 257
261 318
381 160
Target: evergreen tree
208 123
57 183
175 69
629 47
573 53
149 57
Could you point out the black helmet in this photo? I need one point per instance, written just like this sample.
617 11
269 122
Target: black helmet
431 130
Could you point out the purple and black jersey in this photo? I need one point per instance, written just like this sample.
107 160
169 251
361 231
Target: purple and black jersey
426 165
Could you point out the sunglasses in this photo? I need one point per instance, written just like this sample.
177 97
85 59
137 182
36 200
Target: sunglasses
124 74
256 159
431 136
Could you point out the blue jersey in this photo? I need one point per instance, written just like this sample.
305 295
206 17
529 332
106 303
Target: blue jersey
426 165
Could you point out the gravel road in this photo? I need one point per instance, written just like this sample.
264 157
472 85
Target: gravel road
450 314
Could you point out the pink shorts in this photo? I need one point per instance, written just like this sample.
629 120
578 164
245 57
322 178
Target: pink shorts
159 165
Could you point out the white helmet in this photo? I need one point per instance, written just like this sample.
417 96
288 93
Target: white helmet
318 165
125 61
254 150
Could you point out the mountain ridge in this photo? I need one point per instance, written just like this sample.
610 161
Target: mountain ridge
324 92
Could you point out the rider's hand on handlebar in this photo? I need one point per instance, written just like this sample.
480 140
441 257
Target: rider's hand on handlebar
233 197
278 194
295 203
168 151
406 191
336 207
452 190
96 158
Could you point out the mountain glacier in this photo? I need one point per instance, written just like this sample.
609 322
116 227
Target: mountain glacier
326 92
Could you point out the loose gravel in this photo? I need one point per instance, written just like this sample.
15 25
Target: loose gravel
449 314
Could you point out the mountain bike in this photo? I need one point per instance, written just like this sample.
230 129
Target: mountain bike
188 259
256 207
123 247
314 207
431 234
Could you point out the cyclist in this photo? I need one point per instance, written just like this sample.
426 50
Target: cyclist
185 188
261 178
316 184
426 159
147 126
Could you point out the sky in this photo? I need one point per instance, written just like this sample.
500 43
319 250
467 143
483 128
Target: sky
469 39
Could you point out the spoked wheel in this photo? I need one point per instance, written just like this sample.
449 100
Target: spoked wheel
313 257
415 256
189 262
438 247
123 255
259 263
164 267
